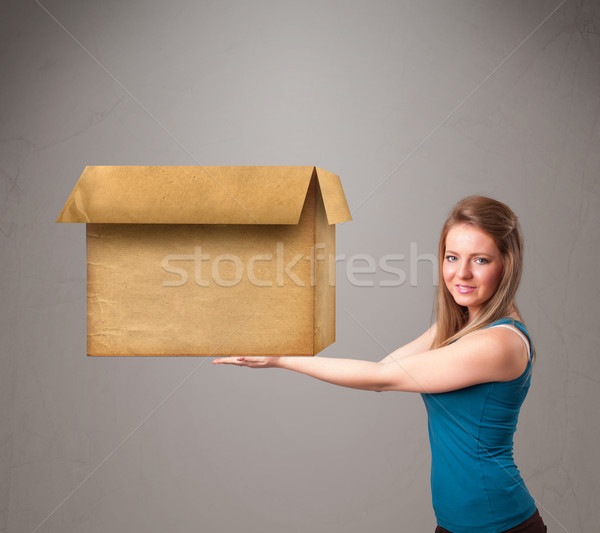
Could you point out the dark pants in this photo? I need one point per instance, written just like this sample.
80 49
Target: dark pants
534 524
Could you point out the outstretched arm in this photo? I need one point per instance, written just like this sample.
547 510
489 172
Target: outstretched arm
353 373
494 354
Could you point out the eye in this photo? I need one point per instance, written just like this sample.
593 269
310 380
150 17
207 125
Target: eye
450 258
481 260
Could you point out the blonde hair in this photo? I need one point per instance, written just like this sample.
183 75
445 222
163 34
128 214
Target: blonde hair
497 220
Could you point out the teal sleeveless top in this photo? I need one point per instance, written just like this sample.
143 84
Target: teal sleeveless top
475 484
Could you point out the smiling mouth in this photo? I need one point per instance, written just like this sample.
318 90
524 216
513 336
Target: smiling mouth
465 288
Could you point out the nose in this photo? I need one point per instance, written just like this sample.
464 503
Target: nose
464 270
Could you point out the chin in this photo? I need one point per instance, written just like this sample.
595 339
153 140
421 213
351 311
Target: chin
465 301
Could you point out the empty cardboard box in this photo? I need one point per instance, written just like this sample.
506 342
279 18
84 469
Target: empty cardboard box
191 260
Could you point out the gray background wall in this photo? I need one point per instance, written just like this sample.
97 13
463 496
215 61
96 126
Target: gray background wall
415 104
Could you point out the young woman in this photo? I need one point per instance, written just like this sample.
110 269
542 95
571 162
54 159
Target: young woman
472 368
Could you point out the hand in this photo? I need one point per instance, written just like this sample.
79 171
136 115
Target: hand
249 361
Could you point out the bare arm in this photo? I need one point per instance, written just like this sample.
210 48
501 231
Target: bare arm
494 354
366 375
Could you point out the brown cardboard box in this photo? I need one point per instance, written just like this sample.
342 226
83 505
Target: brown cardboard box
189 260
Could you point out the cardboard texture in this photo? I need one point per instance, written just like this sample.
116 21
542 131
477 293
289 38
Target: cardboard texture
209 260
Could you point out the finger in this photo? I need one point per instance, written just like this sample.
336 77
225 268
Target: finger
227 361
255 361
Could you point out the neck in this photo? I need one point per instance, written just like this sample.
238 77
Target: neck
472 314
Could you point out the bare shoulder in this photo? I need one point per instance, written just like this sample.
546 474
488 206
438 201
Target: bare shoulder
486 355
501 348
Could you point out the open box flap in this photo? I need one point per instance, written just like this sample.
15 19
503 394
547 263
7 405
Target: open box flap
334 199
199 195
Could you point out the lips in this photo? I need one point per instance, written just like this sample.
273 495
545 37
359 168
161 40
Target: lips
464 289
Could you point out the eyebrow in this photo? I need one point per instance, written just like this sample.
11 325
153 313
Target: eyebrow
471 255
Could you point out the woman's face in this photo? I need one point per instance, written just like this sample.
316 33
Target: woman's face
472 266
